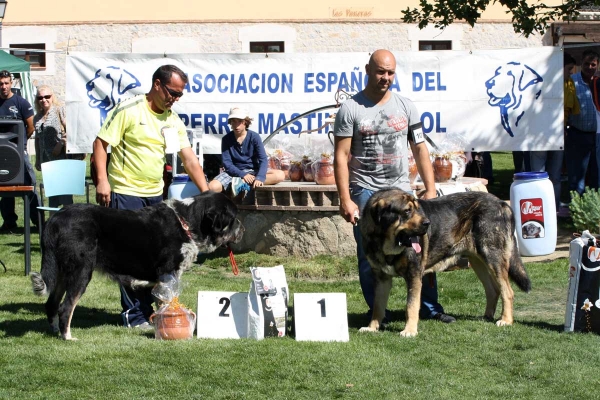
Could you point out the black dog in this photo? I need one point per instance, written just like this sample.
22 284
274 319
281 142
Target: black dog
132 247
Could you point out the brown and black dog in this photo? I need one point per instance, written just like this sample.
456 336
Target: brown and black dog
476 225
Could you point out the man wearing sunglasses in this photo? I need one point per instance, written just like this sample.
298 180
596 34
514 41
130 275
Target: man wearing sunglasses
14 106
141 130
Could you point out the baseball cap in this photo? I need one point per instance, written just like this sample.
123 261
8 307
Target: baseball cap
239 113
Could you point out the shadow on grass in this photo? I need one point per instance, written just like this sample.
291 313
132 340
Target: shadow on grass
83 318
358 321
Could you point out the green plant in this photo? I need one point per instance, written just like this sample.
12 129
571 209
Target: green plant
585 210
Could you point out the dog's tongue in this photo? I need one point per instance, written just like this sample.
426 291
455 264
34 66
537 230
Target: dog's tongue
415 244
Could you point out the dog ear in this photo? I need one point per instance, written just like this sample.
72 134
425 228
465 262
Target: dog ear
528 77
377 210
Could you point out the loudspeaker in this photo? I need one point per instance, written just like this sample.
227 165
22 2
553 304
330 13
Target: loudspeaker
12 164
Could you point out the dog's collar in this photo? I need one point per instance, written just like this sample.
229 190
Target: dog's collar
183 223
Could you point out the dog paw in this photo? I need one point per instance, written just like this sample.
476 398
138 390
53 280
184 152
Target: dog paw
367 329
501 322
407 333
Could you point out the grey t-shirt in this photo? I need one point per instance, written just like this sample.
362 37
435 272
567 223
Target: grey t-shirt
380 136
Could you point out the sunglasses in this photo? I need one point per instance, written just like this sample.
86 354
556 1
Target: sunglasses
47 97
5 74
172 93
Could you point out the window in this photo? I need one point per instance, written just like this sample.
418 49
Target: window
37 59
267 47
425 45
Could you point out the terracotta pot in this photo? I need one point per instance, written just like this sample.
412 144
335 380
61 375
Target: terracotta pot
285 164
296 171
274 163
307 170
442 169
323 172
174 324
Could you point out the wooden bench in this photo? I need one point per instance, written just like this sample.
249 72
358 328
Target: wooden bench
308 196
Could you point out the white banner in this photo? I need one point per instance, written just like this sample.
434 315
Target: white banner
489 100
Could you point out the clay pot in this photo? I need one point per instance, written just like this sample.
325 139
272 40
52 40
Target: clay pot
442 169
296 171
307 170
274 163
323 172
412 170
174 324
285 165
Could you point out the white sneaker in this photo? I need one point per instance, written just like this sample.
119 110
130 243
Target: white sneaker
238 185
144 326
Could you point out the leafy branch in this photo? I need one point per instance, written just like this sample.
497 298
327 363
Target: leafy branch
526 18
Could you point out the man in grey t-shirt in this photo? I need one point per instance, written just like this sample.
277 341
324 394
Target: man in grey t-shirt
376 127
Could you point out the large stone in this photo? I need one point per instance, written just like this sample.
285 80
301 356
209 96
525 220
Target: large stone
296 233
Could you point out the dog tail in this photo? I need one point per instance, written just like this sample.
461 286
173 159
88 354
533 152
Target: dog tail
43 283
38 284
516 270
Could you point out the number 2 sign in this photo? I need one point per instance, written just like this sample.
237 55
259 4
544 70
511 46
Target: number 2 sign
222 315
321 317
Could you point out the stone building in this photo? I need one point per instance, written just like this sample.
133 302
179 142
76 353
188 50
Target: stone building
180 26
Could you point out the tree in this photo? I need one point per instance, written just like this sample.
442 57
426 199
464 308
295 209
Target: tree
526 18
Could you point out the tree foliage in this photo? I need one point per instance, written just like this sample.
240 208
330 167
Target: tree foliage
527 16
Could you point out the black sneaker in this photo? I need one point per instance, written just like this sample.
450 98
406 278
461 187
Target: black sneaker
8 228
445 318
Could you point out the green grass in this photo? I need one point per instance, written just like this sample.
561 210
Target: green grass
471 359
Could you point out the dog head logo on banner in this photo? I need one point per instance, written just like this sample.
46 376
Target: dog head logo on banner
508 90
108 87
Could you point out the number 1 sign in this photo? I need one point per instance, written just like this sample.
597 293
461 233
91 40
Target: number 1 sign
222 315
321 317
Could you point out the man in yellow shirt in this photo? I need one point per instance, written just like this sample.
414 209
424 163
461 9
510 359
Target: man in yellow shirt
140 131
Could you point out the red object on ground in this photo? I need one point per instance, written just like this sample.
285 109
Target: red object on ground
234 267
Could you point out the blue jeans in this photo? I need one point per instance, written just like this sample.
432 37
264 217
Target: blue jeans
550 162
580 154
136 304
429 294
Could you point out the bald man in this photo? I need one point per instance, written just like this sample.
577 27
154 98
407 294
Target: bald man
376 127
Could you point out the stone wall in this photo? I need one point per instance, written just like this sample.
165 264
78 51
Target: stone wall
296 233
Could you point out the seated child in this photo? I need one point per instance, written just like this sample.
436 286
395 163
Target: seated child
244 158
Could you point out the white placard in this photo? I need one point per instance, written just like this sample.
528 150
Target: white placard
222 315
321 317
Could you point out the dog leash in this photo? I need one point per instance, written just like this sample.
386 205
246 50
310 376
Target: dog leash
234 267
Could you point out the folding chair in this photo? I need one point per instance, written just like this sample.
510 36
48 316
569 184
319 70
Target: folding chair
61 177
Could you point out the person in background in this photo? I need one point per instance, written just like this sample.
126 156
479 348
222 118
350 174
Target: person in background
580 140
571 107
50 135
244 158
14 106
140 131
552 161
375 127
521 161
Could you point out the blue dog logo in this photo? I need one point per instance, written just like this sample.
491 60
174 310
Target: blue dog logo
108 87
506 90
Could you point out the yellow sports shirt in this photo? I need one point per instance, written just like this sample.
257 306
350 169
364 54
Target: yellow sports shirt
136 135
